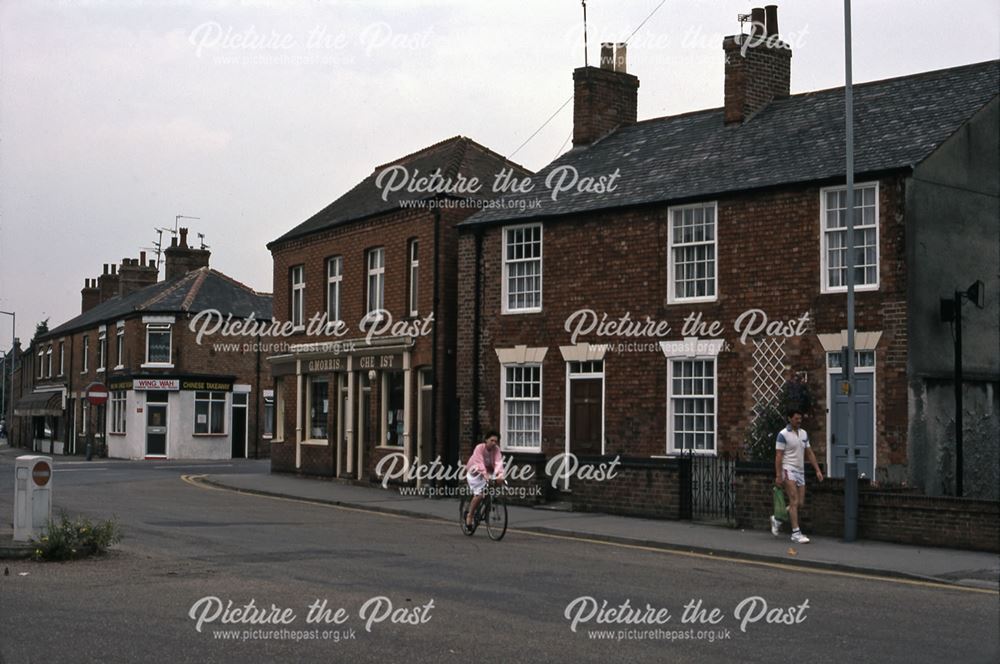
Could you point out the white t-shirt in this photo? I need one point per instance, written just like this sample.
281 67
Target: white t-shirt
794 444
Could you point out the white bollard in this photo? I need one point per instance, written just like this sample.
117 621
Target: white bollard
32 496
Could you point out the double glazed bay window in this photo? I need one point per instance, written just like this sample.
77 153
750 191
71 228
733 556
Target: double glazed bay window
691 417
692 255
210 412
522 269
522 407
834 213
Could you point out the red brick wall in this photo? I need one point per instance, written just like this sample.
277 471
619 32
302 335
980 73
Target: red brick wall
890 516
393 231
616 262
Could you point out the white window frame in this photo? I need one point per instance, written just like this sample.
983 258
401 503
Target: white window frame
376 272
414 293
102 349
824 281
297 278
159 327
62 358
334 288
117 411
672 449
48 361
505 274
504 430
213 397
672 297
86 352
120 345
41 363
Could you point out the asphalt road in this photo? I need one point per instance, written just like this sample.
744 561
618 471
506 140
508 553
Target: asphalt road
445 597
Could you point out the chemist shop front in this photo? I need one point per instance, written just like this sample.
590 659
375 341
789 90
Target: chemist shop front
177 417
338 415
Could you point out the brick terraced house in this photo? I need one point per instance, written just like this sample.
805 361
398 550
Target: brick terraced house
735 216
381 259
171 397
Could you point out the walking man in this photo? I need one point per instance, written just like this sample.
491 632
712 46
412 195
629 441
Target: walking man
791 450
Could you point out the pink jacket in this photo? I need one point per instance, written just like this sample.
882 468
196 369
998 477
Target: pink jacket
477 462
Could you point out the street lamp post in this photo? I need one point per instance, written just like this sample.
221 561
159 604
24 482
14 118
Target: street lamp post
851 467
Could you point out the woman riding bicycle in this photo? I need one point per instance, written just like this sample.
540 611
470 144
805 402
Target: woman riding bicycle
486 463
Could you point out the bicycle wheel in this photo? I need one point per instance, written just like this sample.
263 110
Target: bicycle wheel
463 509
496 518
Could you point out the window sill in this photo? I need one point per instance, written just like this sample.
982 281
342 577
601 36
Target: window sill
680 455
209 435
692 300
518 312
840 290
101 370
516 450
119 367
318 442
116 433
277 440
157 365
389 447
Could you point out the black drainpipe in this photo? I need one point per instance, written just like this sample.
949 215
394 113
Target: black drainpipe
477 306
257 414
436 373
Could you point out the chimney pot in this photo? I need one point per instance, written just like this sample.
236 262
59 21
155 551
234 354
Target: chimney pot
105 268
173 242
607 56
152 264
184 237
114 269
771 20
142 257
758 22
620 51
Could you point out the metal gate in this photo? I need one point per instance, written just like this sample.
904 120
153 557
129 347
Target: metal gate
708 488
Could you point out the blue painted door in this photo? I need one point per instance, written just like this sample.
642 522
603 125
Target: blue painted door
864 424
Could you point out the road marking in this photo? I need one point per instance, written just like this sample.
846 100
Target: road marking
194 480
204 465
76 470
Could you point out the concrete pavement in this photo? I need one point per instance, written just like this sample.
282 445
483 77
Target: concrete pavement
869 557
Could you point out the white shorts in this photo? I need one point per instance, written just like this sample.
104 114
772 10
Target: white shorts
795 475
476 482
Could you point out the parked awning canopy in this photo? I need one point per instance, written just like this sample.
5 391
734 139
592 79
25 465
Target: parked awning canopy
38 404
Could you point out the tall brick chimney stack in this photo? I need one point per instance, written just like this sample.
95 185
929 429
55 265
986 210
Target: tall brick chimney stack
181 259
758 67
108 282
605 98
90 295
135 274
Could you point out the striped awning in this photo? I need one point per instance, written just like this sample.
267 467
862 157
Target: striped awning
38 404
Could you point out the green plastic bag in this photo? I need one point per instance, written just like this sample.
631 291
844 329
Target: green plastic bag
780 507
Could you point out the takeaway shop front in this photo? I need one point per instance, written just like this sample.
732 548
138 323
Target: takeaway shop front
175 417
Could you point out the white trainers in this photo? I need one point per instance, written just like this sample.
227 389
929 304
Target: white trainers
775 526
799 538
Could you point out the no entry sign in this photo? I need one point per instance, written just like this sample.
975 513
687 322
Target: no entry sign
97 394
41 473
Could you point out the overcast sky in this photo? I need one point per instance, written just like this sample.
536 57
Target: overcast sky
116 116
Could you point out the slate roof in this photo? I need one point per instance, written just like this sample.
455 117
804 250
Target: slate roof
898 123
195 291
456 155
